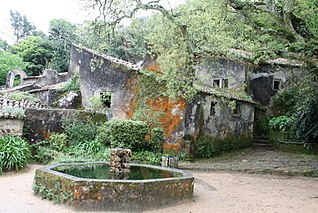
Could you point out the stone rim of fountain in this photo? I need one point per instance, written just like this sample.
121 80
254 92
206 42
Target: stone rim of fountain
50 169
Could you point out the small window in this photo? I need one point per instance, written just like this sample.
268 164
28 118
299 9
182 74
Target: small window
225 83
216 83
106 99
276 84
212 108
237 110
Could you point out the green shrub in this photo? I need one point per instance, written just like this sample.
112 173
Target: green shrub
124 134
73 84
58 141
207 147
44 154
146 157
157 140
19 96
14 153
281 123
13 112
79 131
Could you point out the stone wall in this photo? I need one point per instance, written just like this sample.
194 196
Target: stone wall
266 80
11 126
210 70
39 123
216 117
100 74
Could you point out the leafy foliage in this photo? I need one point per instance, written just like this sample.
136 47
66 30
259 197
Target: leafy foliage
9 62
146 157
62 34
35 50
12 112
124 134
21 26
58 141
14 153
281 123
207 147
78 131
307 118
20 96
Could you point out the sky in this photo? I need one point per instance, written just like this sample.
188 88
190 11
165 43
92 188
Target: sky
40 12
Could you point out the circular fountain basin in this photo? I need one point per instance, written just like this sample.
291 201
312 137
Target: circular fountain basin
90 186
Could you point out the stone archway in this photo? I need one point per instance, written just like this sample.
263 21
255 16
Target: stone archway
11 76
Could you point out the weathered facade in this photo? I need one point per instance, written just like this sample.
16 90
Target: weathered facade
107 78
214 116
208 114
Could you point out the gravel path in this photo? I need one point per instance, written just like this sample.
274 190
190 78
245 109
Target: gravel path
259 161
215 191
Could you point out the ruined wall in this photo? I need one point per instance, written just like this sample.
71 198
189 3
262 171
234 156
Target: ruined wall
211 69
39 123
266 80
99 74
220 120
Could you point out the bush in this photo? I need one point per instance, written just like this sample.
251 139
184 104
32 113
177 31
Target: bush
307 118
79 131
45 154
12 112
58 141
19 96
157 140
14 153
146 157
207 147
281 123
124 134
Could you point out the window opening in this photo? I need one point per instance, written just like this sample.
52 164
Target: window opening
106 99
216 83
237 109
225 83
276 84
212 108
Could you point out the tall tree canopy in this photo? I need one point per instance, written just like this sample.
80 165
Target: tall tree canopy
62 34
36 51
183 35
22 28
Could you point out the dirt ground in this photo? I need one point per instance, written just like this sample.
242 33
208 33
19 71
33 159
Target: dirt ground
214 192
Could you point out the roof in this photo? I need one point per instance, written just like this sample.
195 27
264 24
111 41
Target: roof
230 94
278 61
127 64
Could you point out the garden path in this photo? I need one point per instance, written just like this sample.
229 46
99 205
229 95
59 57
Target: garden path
215 190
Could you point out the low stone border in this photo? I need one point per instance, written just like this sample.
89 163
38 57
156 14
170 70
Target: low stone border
118 195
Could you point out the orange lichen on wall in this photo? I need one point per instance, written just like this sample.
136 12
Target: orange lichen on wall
154 67
173 113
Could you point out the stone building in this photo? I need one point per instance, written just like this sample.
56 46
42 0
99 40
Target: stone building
221 108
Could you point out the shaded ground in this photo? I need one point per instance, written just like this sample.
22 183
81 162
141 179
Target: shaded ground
259 161
215 190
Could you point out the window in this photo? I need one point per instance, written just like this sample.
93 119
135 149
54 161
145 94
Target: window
216 83
237 109
106 99
212 108
225 83
276 84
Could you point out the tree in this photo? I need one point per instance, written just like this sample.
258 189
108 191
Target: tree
36 51
181 37
62 34
3 45
124 42
22 28
9 62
